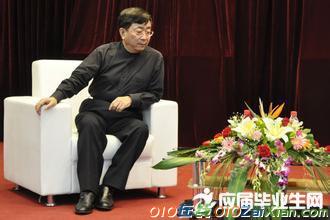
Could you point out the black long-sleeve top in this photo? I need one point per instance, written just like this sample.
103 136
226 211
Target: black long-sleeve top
116 72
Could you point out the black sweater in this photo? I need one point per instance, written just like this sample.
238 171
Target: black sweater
116 72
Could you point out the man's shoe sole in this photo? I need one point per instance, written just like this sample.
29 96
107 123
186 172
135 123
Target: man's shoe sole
83 212
103 208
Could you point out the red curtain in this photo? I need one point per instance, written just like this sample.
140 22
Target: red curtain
312 92
218 53
29 30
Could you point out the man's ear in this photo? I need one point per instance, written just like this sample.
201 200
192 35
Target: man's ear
122 32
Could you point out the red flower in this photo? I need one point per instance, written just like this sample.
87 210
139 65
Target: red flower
247 113
206 143
317 144
226 132
285 121
264 150
327 149
217 135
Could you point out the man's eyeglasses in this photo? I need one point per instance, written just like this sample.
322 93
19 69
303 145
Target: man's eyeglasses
140 32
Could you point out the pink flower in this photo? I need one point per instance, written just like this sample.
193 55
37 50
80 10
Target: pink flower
228 143
288 161
248 159
299 133
215 160
240 144
282 182
256 135
285 171
309 161
262 166
278 143
200 154
217 157
298 142
280 147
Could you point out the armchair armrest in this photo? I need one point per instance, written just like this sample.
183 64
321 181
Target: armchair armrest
162 120
37 148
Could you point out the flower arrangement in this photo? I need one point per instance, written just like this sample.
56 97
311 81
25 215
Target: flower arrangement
259 149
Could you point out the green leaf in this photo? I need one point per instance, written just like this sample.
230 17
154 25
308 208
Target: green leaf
273 179
307 130
311 172
261 108
324 178
223 168
288 145
296 156
190 152
253 113
183 153
175 162
238 179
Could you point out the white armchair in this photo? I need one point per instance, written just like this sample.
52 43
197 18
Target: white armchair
40 152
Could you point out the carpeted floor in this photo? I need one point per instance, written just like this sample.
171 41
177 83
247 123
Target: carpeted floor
131 204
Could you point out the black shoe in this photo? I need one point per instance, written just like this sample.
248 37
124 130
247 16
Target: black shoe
105 200
85 204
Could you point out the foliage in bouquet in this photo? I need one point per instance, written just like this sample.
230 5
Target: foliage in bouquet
262 146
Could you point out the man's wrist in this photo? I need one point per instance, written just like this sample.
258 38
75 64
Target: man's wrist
58 95
130 101
54 98
134 98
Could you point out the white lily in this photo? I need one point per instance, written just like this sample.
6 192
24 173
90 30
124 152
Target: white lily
234 121
296 125
246 127
274 129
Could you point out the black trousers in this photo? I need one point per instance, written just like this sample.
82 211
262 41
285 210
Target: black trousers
93 122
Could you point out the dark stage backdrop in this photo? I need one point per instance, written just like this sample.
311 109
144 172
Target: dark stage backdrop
218 53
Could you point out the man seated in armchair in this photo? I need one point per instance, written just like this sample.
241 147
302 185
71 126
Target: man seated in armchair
127 78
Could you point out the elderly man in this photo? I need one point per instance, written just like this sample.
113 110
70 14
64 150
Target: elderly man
127 77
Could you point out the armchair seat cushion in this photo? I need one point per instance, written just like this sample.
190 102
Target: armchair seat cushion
112 147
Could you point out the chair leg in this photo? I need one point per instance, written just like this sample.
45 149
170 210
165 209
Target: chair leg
161 193
40 199
50 201
16 188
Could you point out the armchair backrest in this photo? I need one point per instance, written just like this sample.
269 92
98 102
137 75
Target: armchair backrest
48 74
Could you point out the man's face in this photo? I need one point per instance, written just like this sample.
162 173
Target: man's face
136 37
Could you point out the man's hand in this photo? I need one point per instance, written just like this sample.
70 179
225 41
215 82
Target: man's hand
120 103
49 102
